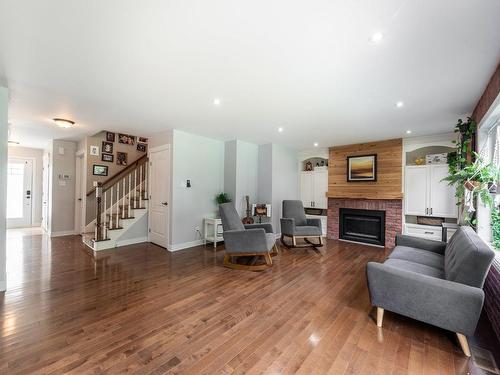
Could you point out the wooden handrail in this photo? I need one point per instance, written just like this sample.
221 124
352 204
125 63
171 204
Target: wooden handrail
120 173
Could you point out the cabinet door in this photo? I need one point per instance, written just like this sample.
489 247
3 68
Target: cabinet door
416 185
442 196
320 186
306 188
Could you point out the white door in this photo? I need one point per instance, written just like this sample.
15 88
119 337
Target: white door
45 193
79 194
442 197
416 188
306 188
159 183
320 186
19 192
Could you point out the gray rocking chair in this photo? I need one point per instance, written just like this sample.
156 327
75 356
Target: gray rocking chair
295 225
240 240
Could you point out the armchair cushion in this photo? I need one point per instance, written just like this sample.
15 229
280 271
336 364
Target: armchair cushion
247 241
419 256
294 209
268 227
415 267
230 218
307 231
420 243
314 223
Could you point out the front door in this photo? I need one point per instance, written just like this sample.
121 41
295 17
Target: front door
159 183
19 192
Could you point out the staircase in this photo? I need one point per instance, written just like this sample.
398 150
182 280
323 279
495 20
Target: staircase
119 204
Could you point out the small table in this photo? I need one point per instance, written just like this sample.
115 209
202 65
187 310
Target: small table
213 230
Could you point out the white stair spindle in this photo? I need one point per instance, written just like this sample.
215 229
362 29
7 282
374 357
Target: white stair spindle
140 186
129 193
123 199
146 179
111 209
117 203
135 188
105 212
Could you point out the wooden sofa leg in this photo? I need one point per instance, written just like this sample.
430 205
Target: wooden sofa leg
464 344
380 316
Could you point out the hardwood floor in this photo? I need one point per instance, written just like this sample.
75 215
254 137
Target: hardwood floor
143 310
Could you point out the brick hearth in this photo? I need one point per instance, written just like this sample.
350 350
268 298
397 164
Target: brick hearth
392 208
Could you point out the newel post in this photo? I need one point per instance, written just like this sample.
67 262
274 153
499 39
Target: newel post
98 210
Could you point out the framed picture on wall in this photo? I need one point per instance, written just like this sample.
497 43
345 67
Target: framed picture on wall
142 147
142 140
121 158
107 157
126 139
107 147
362 168
110 137
99 170
94 150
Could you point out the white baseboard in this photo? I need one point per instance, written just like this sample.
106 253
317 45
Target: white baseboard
131 241
3 285
62 233
185 245
36 224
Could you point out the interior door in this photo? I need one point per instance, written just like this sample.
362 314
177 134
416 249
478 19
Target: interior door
19 192
416 188
159 183
306 188
320 186
45 193
442 196
79 194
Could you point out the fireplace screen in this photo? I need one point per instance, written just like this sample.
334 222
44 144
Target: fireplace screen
367 226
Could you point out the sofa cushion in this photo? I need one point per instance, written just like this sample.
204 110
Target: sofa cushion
467 258
424 257
415 267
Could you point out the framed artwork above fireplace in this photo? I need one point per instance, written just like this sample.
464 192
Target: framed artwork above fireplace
362 168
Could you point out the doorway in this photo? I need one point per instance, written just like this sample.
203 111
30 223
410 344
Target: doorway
19 192
159 195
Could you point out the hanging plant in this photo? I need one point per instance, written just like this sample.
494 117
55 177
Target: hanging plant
222 198
495 227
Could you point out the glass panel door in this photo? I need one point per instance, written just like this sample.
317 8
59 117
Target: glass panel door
19 192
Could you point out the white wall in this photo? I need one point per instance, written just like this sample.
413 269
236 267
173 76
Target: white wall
37 155
247 163
230 156
62 193
3 183
201 160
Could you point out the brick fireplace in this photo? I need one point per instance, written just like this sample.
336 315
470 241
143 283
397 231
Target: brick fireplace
391 207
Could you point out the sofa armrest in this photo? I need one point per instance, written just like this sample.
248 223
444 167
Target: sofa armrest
246 241
446 304
314 223
287 226
421 243
268 227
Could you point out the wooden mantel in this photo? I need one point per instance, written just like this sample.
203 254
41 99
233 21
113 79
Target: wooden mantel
389 171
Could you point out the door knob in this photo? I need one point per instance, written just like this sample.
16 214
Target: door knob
164 203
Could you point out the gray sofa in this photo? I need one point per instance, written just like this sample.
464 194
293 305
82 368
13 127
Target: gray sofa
251 240
434 282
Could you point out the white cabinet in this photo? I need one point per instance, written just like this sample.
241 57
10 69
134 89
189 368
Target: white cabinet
313 188
426 194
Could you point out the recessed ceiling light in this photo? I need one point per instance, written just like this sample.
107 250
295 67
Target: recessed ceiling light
400 104
315 144
377 37
280 129
408 132
63 123
217 102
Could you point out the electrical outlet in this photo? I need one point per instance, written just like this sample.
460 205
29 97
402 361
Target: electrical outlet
196 229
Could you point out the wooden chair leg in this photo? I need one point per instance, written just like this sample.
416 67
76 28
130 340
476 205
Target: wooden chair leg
380 316
249 267
269 260
294 241
462 339
320 241
274 250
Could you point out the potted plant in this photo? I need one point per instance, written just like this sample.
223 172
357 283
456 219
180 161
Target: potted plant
222 198
495 227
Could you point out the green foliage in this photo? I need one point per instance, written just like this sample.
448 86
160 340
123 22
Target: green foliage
222 198
458 158
495 226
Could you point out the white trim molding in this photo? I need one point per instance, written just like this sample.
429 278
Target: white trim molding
131 241
185 245
62 233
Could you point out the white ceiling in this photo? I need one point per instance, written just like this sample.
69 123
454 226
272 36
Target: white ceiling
307 66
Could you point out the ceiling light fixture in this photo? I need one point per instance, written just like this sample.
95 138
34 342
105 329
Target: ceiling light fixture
408 132
316 144
280 130
400 104
377 37
217 102
63 123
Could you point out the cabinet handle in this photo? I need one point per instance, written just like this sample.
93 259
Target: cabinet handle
431 210
429 232
426 211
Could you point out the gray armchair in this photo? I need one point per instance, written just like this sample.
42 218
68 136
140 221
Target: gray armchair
434 282
240 240
295 225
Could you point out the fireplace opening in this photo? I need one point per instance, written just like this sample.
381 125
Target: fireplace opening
367 226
